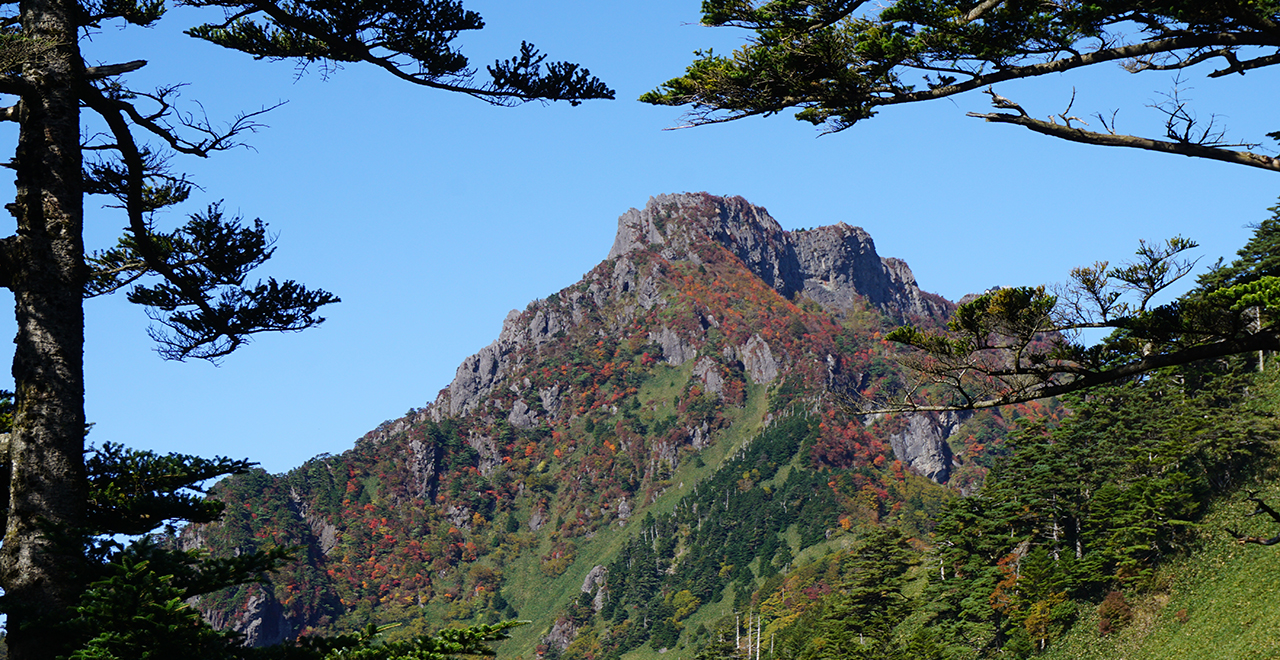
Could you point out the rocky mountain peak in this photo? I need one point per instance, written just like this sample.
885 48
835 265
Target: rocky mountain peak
832 265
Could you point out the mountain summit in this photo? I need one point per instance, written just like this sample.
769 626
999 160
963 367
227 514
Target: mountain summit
832 265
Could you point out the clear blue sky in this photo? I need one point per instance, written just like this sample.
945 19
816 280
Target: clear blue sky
432 215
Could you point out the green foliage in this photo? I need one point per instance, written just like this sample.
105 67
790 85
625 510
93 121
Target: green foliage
138 613
446 644
428 520
1259 258
134 492
217 254
139 606
199 294
859 619
413 40
135 605
838 61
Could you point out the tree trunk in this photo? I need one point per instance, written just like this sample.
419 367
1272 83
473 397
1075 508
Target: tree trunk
41 558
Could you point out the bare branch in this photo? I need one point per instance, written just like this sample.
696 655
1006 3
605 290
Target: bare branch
215 139
1113 140
1150 63
1004 103
108 70
10 257
977 12
15 85
1241 67
1261 507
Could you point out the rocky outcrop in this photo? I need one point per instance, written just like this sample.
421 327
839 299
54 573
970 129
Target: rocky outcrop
707 370
326 535
537 518
832 265
522 416
922 444
840 264
262 620
675 349
757 361
561 634
550 399
594 584
479 374
422 462
487 449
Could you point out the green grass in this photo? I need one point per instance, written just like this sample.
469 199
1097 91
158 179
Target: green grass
1220 603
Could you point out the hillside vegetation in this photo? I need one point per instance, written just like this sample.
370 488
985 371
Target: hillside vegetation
1220 602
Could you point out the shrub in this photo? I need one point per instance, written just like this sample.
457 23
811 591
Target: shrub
1113 613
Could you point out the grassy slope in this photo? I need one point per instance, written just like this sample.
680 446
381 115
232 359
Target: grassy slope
1220 603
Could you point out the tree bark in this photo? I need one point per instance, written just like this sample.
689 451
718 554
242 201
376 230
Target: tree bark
41 558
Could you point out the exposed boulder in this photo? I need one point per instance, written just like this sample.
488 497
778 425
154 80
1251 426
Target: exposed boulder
594 584
550 398
537 519
561 634
522 416
487 448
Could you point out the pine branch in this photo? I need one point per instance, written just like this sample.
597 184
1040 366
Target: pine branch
1112 140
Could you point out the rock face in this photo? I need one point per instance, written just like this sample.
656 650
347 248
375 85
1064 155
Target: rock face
831 265
262 621
922 444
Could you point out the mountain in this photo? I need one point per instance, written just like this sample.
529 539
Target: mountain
632 456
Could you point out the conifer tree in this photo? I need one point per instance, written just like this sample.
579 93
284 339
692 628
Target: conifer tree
193 280
859 620
839 62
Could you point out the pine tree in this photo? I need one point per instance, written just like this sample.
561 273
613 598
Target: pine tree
193 279
859 621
